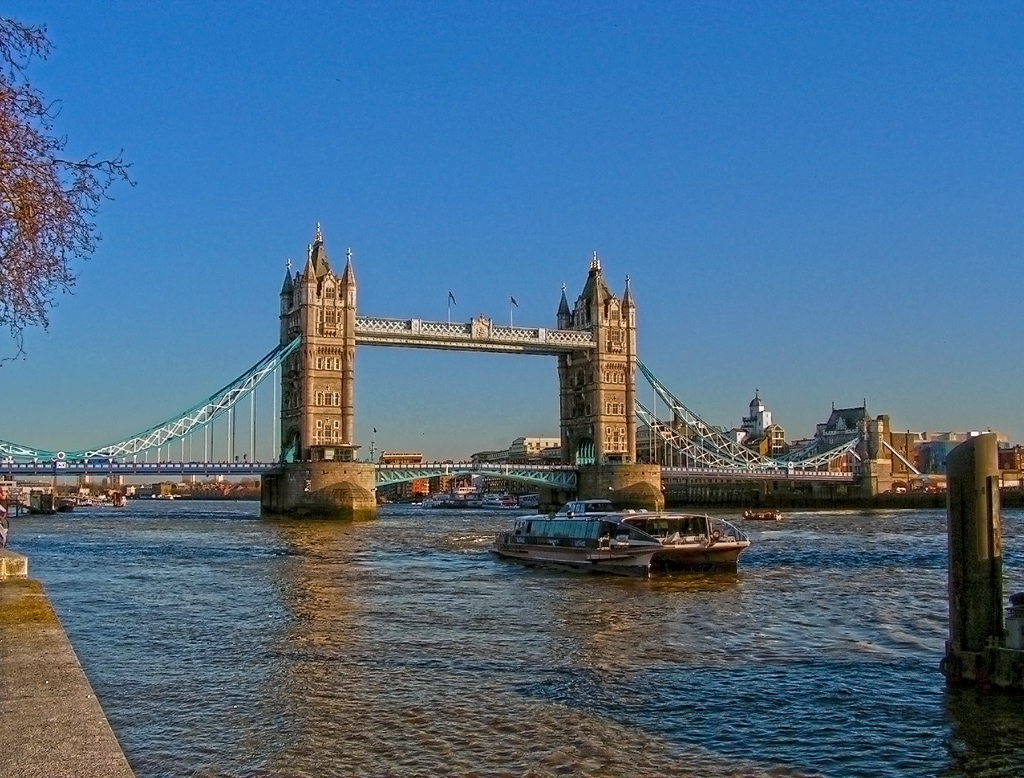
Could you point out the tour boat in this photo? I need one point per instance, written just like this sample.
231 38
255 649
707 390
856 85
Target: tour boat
766 515
583 532
597 543
691 541
686 542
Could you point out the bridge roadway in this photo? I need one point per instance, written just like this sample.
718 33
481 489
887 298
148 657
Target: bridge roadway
551 476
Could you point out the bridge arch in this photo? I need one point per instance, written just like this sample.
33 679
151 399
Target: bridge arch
583 454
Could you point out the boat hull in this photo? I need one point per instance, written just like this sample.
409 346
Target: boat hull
719 556
624 561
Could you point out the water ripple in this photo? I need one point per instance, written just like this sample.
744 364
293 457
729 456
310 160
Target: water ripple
221 645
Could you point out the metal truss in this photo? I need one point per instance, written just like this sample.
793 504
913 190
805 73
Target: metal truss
706 446
179 427
550 476
12 452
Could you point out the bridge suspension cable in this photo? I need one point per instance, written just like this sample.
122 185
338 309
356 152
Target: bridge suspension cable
707 446
197 416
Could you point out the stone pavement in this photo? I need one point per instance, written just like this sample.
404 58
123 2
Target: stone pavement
51 724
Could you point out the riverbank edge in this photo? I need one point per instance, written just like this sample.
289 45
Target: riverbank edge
51 723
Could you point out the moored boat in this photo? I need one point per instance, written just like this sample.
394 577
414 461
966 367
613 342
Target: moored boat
499 502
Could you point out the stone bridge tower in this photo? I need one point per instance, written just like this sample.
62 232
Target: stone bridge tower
317 387
320 476
597 396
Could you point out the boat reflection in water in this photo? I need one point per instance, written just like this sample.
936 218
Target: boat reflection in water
590 535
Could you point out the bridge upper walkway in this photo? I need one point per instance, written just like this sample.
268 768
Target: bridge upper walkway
478 335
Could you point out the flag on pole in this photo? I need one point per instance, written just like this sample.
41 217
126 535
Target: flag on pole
514 301
451 299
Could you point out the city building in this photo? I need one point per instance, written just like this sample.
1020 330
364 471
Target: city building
523 451
531 450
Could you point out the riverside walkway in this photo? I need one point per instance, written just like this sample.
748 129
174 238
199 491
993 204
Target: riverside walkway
51 724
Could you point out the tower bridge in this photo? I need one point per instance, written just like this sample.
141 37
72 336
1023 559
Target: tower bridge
318 471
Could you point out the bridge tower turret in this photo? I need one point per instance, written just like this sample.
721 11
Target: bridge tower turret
596 412
318 403
598 395
320 476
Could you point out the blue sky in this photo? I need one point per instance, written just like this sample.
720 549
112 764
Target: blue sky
822 201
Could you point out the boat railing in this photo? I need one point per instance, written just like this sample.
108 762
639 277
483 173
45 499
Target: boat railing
726 529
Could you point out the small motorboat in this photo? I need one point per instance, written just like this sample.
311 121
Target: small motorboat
765 515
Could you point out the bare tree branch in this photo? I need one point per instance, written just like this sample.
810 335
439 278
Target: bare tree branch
47 203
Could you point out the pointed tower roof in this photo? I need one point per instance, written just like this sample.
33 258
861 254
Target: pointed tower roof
286 287
349 276
317 265
595 286
627 296
563 306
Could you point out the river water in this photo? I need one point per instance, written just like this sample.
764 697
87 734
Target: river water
223 645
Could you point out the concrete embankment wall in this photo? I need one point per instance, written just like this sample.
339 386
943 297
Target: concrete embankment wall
51 724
